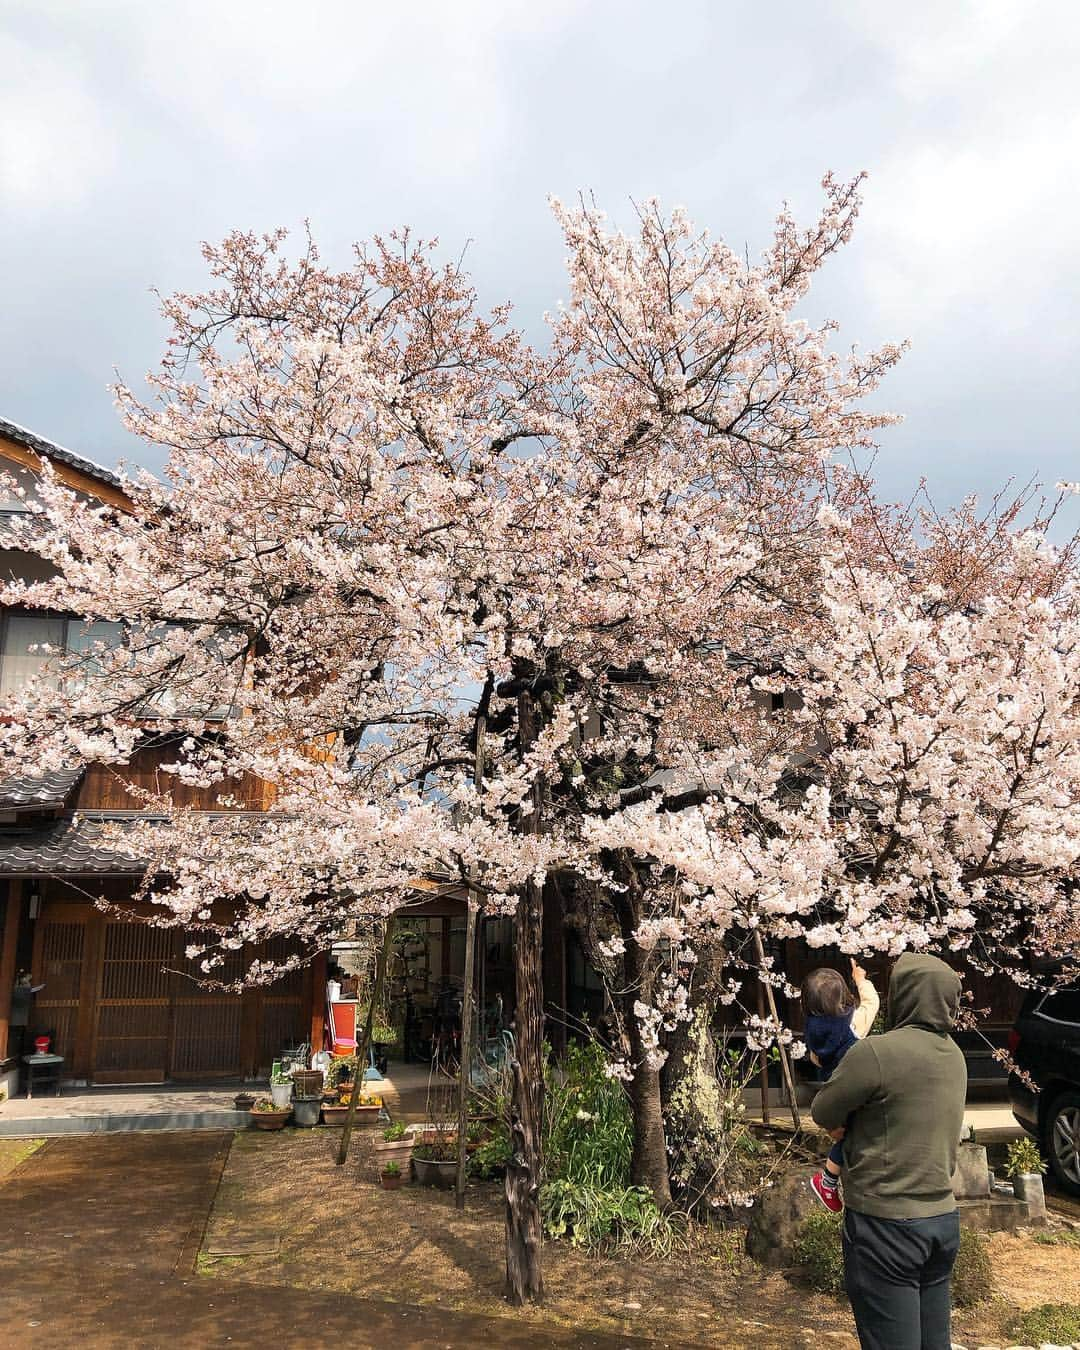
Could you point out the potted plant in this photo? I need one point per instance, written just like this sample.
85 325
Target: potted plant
436 1164
341 1074
1025 1168
367 1108
391 1176
267 1115
280 1086
396 1145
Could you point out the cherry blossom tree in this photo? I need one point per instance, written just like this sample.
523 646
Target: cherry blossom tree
392 535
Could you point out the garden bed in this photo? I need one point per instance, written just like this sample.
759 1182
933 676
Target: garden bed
339 1230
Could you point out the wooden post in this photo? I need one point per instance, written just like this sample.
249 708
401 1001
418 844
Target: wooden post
7 959
764 1056
465 1058
785 1059
365 1042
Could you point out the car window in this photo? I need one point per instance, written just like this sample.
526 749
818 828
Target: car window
1063 1006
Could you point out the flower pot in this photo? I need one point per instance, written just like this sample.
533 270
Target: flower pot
308 1082
333 1114
1028 1187
391 1183
244 1101
281 1094
428 1172
306 1110
270 1120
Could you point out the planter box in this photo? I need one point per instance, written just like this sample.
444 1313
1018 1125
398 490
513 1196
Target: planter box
396 1150
440 1174
270 1120
366 1115
334 1115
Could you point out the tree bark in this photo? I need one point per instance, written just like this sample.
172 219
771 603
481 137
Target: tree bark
524 1278
649 1161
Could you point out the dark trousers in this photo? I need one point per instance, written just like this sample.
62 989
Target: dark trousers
836 1154
897 1274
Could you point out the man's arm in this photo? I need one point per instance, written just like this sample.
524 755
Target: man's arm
855 1080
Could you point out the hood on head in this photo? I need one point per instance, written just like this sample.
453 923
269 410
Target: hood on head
923 992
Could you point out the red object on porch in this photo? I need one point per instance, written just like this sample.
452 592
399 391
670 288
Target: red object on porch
343 1020
41 1045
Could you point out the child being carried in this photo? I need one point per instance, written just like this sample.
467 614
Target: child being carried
834 1022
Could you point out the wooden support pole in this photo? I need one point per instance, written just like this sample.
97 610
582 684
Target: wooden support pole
365 1042
8 947
764 1056
465 1058
785 1058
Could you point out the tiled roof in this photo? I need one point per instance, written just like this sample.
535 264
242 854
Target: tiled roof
41 446
66 847
47 792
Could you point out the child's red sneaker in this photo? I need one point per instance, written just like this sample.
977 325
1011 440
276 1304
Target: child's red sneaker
828 1195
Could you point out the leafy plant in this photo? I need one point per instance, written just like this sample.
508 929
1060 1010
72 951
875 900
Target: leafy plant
819 1250
588 1130
490 1158
265 1104
392 1169
1024 1157
625 1219
394 1132
341 1069
278 1075
1053 1323
442 1151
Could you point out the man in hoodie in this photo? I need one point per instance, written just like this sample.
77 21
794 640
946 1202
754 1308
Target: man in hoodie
897 1101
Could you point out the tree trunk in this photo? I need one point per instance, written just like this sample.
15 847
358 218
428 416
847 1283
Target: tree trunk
524 1279
649 1161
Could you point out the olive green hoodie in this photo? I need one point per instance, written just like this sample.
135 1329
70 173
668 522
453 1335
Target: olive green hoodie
901 1098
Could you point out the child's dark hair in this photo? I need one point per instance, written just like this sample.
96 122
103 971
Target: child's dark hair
825 993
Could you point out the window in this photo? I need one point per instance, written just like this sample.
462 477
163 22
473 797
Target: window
26 649
30 641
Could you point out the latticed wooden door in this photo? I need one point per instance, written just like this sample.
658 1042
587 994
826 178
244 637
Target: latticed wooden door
60 942
133 1023
206 1032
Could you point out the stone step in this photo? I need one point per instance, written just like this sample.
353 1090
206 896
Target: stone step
113 1122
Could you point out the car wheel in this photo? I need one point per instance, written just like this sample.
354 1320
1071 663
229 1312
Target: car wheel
1062 1140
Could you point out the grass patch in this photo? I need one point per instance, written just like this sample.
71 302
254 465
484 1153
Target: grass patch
1066 1237
16 1151
1058 1323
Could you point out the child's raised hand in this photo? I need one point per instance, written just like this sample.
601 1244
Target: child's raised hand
857 972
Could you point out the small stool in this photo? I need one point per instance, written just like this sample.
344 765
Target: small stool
42 1067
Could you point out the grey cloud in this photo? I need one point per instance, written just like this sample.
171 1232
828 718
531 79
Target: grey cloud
128 132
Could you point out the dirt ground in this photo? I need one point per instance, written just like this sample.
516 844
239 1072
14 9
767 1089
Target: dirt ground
310 1224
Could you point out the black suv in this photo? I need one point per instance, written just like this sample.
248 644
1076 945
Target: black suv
1045 1043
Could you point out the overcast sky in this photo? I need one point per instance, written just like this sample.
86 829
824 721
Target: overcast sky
131 130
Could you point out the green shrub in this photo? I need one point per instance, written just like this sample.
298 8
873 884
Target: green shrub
819 1251
627 1219
972 1281
1058 1323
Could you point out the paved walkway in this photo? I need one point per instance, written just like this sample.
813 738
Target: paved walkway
98 1247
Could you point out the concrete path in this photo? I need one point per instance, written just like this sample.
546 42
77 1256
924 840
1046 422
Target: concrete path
98 1249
